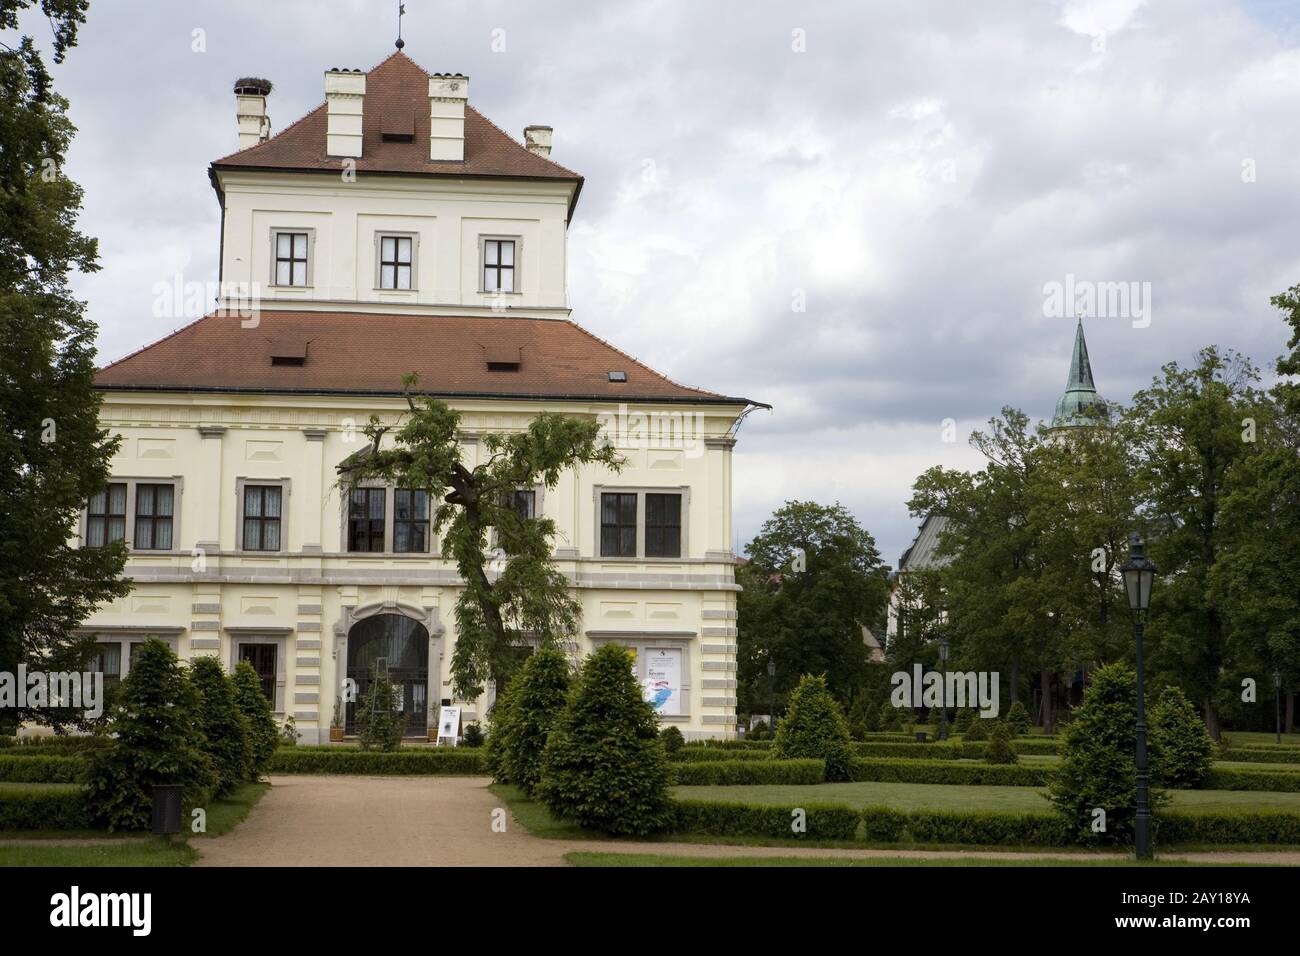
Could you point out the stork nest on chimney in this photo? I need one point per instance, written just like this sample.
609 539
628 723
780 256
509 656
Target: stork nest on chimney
252 86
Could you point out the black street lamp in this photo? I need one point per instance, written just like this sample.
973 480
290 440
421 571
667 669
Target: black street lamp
1139 573
1277 704
771 680
943 688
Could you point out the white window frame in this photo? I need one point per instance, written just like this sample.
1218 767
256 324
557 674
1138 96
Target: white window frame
310 232
414 237
516 268
641 492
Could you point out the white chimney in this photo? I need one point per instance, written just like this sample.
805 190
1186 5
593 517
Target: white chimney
538 140
447 95
250 111
345 93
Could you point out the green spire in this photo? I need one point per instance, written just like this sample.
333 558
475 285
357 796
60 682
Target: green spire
1080 404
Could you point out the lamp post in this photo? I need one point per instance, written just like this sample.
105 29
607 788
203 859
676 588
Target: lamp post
1139 572
1277 704
943 688
771 681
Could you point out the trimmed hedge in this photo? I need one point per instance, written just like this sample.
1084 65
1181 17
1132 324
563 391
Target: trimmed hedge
1260 754
37 808
713 744
41 769
448 761
1281 781
716 818
988 827
740 772
1259 826
887 770
50 745
713 754
951 750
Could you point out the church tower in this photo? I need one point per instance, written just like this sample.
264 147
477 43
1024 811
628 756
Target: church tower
1080 405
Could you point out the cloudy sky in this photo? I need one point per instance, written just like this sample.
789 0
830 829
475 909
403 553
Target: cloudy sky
848 210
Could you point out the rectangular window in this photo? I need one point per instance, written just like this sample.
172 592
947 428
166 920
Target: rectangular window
108 661
291 258
498 265
618 525
154 509
395 262
663 525
366 519
410 521
525 504
106 516
262 517
262 657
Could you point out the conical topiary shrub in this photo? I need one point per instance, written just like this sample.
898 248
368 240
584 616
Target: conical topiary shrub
1181 750
155 740
978 729
1017 719
222 724
536 699
999 748
263 735
965 716
814 728
604 766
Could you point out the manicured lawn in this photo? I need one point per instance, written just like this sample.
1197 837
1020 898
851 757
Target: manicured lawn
536 819
654 859
925 796
1257 739
7 787
40 847
128 852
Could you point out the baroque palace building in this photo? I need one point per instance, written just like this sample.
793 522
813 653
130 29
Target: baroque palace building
395 229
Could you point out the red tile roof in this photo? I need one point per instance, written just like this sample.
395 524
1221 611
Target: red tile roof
397 94
365 353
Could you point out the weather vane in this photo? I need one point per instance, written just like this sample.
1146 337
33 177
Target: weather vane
401 11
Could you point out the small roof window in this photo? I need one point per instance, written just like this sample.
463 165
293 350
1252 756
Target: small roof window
618 375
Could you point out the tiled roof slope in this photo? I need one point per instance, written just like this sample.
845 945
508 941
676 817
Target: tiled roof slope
398 86
363 353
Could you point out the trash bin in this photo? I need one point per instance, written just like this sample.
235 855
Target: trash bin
920 736
167 808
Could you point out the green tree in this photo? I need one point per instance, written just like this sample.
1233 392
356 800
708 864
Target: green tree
814 728
1180 750
54 455
604 766
156 739
812 582
224 728
1099 759
1187 431
259 720
530 595
537 697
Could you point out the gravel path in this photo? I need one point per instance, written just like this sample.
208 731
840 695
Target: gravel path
447 821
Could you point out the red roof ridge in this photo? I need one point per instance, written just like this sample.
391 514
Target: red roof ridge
563 169
145 348
639 363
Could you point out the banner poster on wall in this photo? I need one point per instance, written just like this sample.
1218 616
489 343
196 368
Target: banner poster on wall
663 679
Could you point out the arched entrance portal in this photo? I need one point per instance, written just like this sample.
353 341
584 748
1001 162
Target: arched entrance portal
404 644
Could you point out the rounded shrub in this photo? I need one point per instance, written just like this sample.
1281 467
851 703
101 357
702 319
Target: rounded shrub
1180 749
155 740
263 735
672 738
473 736
1099 758
814 728
1017 719
223 726
536 698
999 747
603 766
